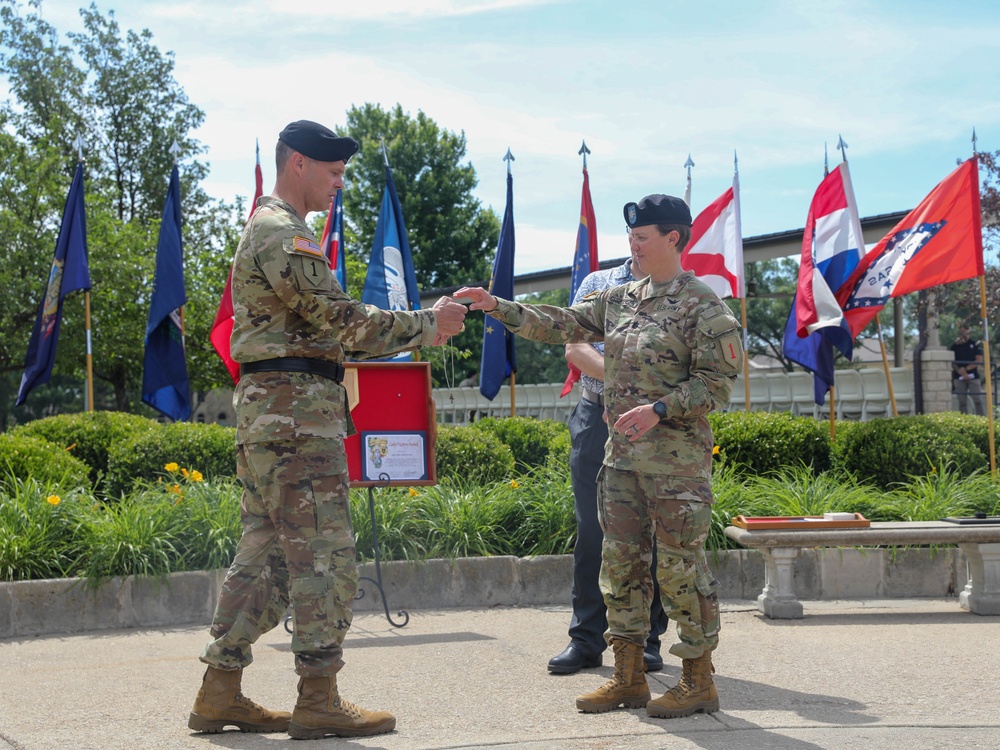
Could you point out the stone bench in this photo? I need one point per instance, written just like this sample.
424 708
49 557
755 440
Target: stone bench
979 542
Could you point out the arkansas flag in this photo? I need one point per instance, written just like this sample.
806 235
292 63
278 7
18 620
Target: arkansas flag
832 247
584 262
938 242
222 326
715 251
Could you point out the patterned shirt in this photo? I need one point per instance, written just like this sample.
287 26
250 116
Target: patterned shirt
598 281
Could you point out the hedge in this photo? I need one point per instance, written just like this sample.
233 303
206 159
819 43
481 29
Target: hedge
23 457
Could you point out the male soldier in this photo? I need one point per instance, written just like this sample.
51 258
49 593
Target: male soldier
588 431
671 353
293 327
965 372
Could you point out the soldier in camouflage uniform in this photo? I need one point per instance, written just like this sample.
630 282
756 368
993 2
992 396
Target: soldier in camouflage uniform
293 327
671 353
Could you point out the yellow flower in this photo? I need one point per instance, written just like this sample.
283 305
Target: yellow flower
715 451
185 473
176 488
171 467
196 476
180 496
53 499
514 484
413 492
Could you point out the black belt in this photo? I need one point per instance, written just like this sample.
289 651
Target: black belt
332 370
594 398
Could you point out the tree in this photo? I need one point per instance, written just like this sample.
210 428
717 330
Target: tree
127 105
452 236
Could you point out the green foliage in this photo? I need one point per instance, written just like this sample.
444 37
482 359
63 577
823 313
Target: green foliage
206 448
761 443
38 530
23 458
975 427
467 455
888 452
89 436
530 440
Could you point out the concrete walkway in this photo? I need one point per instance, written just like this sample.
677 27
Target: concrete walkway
879 674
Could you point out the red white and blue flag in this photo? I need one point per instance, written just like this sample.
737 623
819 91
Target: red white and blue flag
332 241
832 248
584 261
222 326
715 251
938 242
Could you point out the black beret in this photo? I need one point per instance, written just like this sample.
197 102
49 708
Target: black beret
657 209
317 142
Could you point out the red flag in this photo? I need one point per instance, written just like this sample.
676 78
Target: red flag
938 242
715 251
584 261
222 328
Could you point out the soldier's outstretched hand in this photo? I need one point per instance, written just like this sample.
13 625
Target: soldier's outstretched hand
450 316
481 299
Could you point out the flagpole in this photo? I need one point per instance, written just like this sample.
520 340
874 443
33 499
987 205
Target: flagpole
743 290
174 150
509 157
885 366
79 143
986 337
687 190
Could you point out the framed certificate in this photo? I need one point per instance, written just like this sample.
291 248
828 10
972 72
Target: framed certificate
394 417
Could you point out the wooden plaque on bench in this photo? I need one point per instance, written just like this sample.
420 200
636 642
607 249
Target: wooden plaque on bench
767 523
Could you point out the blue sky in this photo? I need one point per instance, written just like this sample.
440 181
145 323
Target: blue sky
644 82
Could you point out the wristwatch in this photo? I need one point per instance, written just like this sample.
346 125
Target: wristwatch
660 408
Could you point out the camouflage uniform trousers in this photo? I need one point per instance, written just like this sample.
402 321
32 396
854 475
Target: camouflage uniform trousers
632 505
297 546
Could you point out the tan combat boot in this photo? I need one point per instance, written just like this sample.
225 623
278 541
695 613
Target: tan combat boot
320 711
627 686
220 704
694 692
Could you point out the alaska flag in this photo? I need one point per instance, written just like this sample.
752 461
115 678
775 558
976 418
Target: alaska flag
832 247
222 327
938 242
498 360
164 372
69 273
332 242
391 283
584 261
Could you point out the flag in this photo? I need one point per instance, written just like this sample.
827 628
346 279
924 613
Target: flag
715 251
938 242
584 261
222 327
391 283
332 241
832 247
498 360
164 370
69 273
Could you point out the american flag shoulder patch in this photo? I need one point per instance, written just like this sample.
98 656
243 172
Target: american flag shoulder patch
306 245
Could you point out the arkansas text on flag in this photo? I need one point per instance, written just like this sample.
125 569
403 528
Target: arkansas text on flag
832 246
69 273
938 242
498 360
584 261
164 370
715 251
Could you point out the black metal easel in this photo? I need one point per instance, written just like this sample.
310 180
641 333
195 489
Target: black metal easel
383 481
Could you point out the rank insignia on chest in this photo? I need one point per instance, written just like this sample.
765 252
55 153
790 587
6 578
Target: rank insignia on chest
306 245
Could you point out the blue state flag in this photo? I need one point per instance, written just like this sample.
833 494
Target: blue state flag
69 273
499 360
391 283
165 384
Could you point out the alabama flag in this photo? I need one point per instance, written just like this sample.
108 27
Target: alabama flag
938 242
715 252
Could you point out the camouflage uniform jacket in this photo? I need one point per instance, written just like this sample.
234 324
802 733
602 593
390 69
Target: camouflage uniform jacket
287 303
676 342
